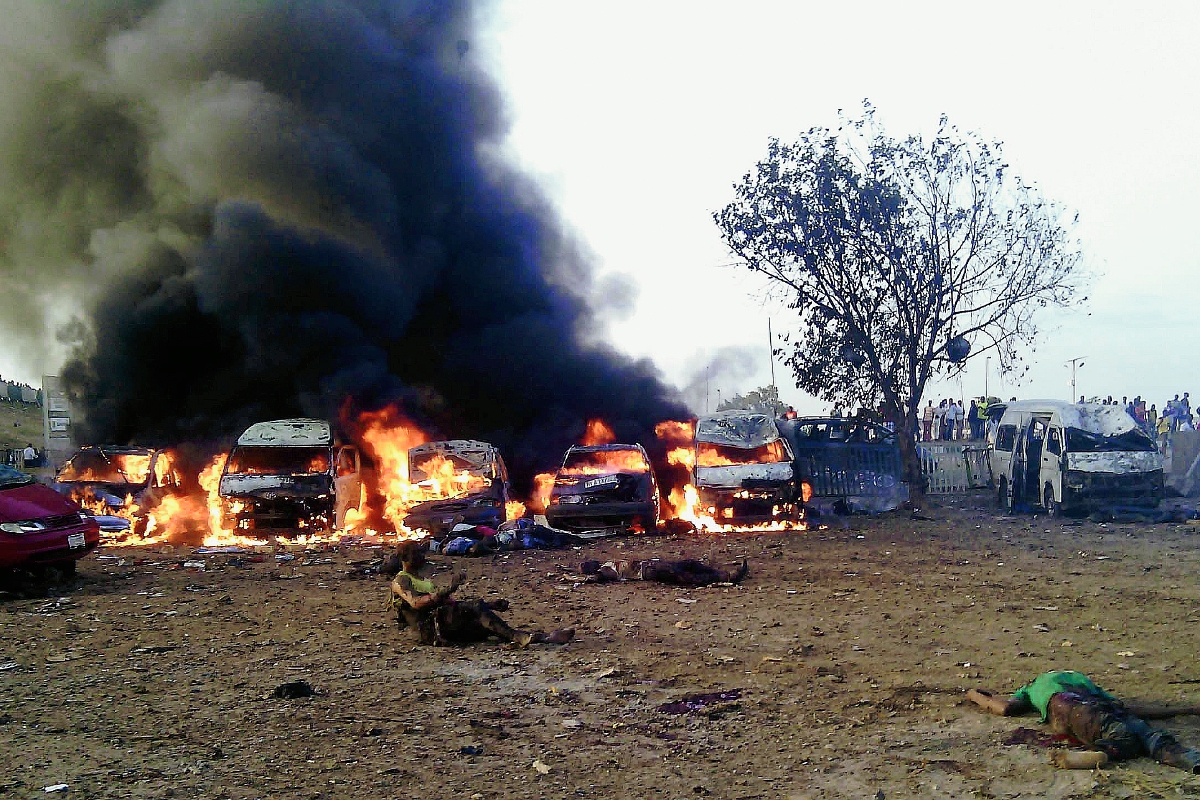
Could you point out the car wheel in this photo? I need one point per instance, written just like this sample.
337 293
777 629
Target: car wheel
1053 508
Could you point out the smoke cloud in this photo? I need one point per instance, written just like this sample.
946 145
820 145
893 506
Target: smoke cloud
265 208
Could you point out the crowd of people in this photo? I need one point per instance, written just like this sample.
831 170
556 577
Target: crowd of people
13 392
950 421
1176 414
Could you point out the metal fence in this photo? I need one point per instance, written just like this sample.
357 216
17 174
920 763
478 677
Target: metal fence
871 470
955 467
849 470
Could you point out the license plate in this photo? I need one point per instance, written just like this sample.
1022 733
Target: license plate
76 540
447 520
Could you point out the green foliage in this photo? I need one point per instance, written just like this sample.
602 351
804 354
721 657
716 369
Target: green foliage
887 249
764 399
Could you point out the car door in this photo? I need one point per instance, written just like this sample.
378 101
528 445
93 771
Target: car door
1052 460
347 483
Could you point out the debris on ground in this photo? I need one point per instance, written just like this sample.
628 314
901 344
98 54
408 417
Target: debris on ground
294 690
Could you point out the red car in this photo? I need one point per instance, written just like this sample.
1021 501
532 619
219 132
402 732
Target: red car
38 526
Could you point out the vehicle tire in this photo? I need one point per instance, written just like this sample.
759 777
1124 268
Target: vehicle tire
1053 508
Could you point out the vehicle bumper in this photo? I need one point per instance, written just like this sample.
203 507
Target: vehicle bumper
597 516
1082 490
750 507
47 547
284 513
439 523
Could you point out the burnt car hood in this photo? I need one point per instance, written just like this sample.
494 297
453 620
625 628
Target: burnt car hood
737 429
1120 462
33 501
101 488
736 476
450 504
270 487
618 487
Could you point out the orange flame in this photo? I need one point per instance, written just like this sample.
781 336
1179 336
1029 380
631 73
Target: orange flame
543 484
598 433
685 504
514 509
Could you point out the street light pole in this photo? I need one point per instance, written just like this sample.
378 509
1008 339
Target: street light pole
987 367
1075 363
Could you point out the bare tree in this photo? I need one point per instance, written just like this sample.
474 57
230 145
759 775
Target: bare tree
903 258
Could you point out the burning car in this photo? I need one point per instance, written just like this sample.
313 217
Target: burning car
469 475
38 526
115 483
289 474
743 469
604 487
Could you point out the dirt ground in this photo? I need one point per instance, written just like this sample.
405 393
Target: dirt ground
844 657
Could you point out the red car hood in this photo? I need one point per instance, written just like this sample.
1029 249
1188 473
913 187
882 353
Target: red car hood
33 501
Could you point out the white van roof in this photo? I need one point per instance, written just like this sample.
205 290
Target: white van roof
299 432
1094 417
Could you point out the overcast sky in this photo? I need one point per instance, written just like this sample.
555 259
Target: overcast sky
639 117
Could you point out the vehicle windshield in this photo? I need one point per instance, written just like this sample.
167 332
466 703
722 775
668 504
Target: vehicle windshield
278 461
10 477
449 476
1081 441
604 462
100 467
717 455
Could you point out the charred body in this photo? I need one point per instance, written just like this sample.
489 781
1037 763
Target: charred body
474 476
290 475
605 487
744 470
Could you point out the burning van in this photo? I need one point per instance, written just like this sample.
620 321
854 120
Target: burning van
469 478
607 487
111 481
743 469
289 474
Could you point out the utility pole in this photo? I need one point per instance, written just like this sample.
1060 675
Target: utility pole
1075 363
771 351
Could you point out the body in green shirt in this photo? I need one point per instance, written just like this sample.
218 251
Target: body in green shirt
1039 691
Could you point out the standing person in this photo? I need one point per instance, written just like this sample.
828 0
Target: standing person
1073 705
1151 425
951 420
1139 410
939 421
1186 404
1171 412
927 422
973 421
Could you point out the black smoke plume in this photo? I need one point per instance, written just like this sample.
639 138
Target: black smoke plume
272 208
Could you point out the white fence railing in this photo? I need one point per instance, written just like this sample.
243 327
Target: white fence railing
955 467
